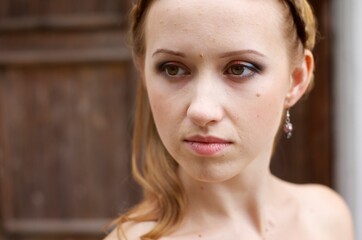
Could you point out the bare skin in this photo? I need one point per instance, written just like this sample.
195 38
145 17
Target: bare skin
231 78
305 212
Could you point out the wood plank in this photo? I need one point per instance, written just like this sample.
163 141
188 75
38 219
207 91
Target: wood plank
43 8
66 97
61 23
57 227
62 40
68 140
67 56
4 182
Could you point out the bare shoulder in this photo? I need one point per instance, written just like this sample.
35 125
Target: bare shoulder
132 231
324 211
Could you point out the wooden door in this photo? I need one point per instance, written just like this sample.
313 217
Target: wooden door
66 100
308 156
66 104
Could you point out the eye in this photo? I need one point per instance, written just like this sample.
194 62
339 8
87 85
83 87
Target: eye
174 70
241 69
237 69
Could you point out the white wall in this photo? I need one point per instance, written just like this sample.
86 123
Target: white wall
347 17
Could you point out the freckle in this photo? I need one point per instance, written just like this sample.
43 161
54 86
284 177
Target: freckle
258 116
200 236
201 188
258 95
201 55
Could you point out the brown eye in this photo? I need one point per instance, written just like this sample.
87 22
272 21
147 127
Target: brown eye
174 70
237 69
241 70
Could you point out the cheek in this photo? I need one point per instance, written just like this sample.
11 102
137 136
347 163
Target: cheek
268 106
165 110
158 105
268 116
162 101
265 112
156 95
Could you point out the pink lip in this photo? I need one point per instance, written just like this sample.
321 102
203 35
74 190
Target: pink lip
208 145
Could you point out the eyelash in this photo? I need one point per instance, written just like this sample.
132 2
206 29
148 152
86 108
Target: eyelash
253 68
164 66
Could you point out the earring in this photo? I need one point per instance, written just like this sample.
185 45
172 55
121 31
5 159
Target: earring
288 126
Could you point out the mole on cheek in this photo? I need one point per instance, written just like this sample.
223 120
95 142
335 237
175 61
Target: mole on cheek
201 55
258 95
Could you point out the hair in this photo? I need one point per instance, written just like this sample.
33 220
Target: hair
153 168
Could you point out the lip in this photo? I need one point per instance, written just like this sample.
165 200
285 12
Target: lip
207 145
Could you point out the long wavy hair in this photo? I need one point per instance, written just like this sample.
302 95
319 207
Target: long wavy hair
164 200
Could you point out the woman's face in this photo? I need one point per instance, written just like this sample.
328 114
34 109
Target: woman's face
218 75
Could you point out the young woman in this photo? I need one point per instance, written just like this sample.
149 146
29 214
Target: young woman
217 80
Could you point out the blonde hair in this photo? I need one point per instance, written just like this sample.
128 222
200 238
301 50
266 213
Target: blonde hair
153 168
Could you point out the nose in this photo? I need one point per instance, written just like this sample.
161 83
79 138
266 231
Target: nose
205 107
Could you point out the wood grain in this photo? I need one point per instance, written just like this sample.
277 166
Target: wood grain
307 157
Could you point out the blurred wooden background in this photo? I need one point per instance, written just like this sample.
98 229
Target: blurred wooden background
66 103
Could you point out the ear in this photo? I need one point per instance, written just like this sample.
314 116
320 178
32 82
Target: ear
301 77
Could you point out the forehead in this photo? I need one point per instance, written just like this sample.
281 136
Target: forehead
206 24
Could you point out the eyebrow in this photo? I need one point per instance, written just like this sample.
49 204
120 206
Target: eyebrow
241 52
179 54
223 55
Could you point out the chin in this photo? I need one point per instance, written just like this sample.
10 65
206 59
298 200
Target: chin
214 174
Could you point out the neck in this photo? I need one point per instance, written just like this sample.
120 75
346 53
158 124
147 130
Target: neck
244 199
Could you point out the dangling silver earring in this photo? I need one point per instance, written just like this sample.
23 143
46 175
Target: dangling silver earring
288 126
